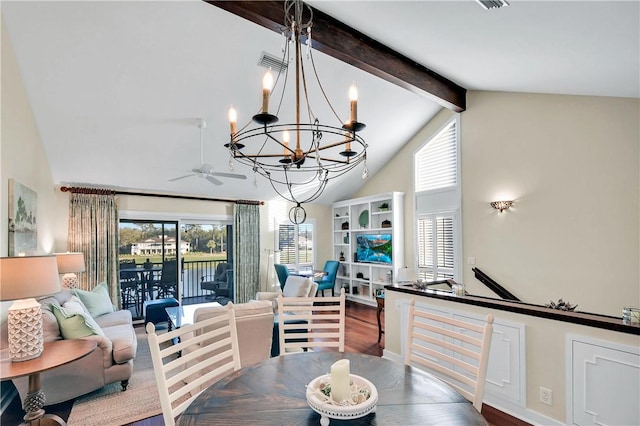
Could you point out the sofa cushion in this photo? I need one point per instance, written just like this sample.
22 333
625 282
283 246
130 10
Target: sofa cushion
97 300
75 325
297 287
75 305
125 344
121 317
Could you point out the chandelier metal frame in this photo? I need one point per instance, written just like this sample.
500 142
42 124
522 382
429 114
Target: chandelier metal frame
320 152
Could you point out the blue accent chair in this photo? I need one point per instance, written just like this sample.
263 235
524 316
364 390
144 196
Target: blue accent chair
283 274
328 281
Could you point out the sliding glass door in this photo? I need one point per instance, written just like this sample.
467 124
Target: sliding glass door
149 253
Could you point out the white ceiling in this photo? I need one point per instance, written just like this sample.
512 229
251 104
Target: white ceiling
116 87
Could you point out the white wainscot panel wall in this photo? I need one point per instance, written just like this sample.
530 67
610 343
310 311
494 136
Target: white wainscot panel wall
603 382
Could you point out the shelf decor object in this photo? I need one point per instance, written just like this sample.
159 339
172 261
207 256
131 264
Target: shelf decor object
22 279
318 152
363 219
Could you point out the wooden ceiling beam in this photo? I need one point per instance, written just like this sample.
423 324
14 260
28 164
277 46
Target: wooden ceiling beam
342 42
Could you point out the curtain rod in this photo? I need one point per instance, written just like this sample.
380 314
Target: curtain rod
106 191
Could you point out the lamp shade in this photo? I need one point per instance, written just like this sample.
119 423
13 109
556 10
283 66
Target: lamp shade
70 262
28 276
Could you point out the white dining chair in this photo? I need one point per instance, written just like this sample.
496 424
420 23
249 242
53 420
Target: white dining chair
304 324
456 351
190 358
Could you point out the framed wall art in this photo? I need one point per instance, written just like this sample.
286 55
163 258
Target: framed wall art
23 228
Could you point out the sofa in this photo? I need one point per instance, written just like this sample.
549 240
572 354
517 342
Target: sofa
111 362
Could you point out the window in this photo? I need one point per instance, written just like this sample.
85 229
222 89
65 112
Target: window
436 163
436 254
437 187
296 244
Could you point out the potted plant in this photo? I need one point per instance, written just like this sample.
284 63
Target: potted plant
342 256
383 207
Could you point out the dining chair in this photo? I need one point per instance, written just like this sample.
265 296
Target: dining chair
283 273
328 281
304 324
456 351
187 360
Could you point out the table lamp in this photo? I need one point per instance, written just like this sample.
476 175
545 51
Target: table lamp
69 264
22 279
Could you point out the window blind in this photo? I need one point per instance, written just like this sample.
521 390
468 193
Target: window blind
436 163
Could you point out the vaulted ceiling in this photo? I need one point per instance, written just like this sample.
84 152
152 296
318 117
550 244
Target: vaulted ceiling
117 87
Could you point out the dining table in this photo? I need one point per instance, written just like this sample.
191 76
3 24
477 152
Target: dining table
273 392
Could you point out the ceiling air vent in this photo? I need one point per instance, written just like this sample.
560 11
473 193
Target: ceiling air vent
273 62
492 4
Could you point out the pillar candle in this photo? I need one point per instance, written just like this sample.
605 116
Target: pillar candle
353 96
340 380
267 85
233 118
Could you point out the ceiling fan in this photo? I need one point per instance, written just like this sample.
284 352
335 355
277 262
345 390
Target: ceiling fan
205 170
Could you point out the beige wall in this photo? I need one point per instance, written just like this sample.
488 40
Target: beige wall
571 163
22 157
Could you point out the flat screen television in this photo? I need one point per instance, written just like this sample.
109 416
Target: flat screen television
374 248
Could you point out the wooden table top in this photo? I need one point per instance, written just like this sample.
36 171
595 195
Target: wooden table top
54 355
273 393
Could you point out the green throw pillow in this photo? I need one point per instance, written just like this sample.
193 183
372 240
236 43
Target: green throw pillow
75 325
97 301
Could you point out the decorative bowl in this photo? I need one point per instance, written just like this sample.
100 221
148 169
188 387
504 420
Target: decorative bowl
364 398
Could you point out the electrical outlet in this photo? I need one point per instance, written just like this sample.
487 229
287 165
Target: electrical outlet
546 396
471 260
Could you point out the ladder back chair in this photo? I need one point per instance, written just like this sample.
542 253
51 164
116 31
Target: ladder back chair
303 324
456 351
190 358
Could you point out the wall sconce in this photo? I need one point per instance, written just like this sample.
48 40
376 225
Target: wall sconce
501 205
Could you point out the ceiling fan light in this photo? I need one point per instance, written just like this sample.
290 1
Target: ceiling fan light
492 4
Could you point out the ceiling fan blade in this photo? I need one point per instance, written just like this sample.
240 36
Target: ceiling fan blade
181 177
213 180
228 175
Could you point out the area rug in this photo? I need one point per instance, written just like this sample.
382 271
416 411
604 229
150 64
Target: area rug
111 406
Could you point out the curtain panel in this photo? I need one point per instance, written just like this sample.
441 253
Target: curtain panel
247 251
93 230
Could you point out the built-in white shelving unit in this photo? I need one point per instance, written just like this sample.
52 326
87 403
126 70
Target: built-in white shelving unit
368 220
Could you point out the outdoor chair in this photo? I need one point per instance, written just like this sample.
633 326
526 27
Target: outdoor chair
456 351
220 283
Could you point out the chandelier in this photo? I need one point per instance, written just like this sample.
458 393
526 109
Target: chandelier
299 158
